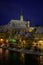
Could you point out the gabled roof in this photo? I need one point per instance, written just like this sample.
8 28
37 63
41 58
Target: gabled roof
16 21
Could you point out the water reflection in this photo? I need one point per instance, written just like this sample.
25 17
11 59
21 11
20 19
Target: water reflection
14 58
22 58
41 60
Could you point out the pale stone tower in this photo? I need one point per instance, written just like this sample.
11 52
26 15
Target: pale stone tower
21 16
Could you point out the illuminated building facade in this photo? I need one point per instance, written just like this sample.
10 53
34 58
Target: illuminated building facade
17 24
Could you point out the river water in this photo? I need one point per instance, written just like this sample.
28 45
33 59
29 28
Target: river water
14 58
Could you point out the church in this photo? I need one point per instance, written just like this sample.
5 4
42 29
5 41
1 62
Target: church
20 24
17 25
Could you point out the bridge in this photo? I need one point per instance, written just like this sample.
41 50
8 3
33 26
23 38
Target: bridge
26 51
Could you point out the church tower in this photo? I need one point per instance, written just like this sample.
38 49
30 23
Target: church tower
21 16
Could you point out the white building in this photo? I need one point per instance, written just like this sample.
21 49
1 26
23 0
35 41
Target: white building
18 24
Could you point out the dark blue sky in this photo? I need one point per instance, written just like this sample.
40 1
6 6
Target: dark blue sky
32 10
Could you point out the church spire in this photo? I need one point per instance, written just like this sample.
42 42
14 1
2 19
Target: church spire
21 16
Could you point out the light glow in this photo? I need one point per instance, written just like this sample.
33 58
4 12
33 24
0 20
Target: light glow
1 40
40 44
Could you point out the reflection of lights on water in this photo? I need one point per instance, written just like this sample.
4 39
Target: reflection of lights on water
7 54
22 57
41 59
0 51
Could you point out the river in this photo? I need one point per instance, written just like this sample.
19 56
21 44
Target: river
14 58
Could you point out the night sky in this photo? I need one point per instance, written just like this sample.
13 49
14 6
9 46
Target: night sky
32 10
